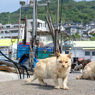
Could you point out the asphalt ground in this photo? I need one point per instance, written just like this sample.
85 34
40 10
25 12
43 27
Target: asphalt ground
76 87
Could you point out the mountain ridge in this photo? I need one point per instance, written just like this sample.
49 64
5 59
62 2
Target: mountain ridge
70 11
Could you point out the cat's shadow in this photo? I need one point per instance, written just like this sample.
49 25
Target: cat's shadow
47 87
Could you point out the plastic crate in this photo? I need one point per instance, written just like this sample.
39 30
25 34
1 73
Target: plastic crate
43 54
47 49
22 49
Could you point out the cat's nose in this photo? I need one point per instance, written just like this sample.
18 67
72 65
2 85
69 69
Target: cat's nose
63 65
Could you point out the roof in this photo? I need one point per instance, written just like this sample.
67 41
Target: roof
74 26
7 42
38 20
49 45
85 44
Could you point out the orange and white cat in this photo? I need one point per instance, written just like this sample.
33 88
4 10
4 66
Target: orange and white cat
53 67
88 72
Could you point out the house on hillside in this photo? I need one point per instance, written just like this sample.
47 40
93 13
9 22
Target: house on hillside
73 29
90 27
69 23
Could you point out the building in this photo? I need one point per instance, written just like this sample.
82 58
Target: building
41 27
73 29
42 31
81 49
11 31
7 45
89 28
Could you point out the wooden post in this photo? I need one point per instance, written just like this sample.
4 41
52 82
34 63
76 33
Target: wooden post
18 31
31 55
10 54
56 34
36 28
25 33
61 43
56 31
57 13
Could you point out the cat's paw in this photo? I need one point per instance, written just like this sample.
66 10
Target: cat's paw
66 88
57 87
43 84
27 81
79 77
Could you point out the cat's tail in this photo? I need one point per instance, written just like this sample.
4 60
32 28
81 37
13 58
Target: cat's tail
79 77
31 79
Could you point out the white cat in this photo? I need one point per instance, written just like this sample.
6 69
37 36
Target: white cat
53 67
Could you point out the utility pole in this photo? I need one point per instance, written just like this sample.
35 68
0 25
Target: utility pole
31 55
21 4
34 26
25 31
18 31
36 29
56 30
19 25
34 33
57 13
34 4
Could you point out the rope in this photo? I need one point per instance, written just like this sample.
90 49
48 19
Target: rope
16 64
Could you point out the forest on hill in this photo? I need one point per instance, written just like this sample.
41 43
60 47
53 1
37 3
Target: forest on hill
70 11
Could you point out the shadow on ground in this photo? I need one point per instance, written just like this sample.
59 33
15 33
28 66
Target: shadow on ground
47 87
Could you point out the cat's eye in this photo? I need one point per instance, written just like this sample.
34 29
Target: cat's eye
60 61
66 61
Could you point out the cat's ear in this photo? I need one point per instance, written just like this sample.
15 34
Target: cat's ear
69 55
57 54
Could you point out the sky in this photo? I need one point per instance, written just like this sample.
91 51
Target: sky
13 5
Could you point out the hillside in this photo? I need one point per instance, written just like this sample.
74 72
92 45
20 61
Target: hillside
70 11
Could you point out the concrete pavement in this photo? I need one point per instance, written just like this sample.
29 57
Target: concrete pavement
77 87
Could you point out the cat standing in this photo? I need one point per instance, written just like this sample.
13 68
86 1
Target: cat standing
53 67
